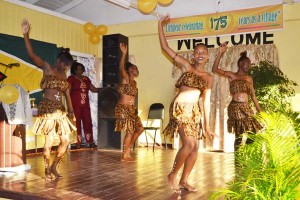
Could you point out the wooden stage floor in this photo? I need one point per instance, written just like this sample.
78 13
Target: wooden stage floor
99 174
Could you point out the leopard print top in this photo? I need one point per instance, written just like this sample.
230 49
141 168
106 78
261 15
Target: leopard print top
190 79
128 89
54 82
239 86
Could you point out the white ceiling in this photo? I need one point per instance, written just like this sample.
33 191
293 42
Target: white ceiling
104 12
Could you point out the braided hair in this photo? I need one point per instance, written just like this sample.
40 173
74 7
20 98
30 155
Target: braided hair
243 56
64 56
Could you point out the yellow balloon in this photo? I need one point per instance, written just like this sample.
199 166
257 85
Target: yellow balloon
9 94
94 38
164 2
147 6
89 28
101 30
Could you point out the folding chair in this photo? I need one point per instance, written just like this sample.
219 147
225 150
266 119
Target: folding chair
156 112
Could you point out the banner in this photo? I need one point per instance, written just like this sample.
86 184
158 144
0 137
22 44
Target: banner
226 23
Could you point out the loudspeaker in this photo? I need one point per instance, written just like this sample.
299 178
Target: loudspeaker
111 58
107 100
107 137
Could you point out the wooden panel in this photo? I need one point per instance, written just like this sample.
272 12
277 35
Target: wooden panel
99 174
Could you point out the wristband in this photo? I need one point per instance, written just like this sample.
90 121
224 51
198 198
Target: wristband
175 56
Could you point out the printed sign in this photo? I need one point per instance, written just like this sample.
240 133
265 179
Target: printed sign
226 23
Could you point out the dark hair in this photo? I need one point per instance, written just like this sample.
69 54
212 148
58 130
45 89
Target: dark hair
75 65
128 65
64 56
243 56
201 44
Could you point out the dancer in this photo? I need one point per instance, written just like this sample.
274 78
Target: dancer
240 115
52 118
127 119
80 86
185 111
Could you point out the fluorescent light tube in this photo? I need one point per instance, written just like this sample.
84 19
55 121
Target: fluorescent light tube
122 3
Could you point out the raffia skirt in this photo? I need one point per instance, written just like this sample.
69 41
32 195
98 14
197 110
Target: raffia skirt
52 119
127 118
241 118
186 114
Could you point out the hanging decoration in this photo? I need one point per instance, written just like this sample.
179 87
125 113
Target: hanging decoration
94 38
148 6
9 94
164 2
89 28
95 31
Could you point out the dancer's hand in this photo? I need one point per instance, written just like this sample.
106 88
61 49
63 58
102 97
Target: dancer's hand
123 48
25 26
164 19
71 116
223 47
209 134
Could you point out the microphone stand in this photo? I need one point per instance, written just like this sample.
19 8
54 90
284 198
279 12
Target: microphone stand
7 66
4 64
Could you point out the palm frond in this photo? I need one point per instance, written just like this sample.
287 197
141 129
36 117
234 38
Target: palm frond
268 168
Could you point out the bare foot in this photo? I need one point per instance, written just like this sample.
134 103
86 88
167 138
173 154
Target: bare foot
187 187
172 182
127 158
48 177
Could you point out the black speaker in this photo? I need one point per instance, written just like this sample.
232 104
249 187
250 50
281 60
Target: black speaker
108 98
107 137
111 58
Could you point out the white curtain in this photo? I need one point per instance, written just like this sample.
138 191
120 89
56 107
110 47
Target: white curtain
220 97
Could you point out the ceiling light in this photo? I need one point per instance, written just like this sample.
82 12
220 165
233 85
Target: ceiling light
122 3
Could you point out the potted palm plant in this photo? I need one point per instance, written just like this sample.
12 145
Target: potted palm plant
269 168
271 85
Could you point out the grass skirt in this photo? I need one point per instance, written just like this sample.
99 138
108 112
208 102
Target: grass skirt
52 119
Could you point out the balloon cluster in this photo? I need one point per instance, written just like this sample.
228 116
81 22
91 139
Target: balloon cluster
148 6
9 94
95 32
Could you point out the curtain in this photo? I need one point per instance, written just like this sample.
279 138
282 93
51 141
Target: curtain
220 97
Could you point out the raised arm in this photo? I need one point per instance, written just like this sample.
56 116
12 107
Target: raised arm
164 44
35 59
253 96
123 73
215 68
